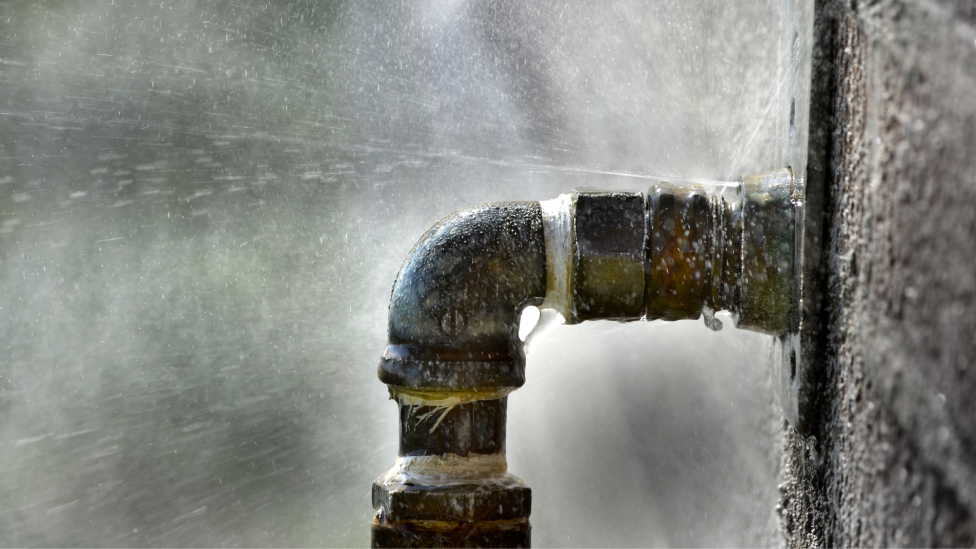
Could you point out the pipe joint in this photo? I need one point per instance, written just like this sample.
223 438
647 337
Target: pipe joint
457 299
610 236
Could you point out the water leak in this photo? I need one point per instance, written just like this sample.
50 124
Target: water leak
549 320
528 322
204 205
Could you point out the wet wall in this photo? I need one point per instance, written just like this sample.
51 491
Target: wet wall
894 460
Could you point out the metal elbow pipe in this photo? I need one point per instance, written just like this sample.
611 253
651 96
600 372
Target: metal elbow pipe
454 354
456 302
453 357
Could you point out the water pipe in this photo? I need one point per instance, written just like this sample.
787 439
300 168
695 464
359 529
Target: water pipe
454 354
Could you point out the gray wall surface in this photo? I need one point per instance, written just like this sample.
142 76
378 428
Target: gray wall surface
893 462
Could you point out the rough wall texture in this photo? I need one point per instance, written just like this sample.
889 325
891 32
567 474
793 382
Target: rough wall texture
894 459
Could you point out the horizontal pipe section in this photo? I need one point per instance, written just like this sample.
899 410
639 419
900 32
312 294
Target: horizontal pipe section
610 232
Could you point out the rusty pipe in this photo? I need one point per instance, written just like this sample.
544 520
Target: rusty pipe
454 354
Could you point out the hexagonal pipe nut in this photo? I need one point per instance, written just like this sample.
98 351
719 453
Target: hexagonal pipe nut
504 497
609 274
768 249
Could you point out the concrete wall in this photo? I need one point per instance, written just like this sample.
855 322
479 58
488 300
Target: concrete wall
894 459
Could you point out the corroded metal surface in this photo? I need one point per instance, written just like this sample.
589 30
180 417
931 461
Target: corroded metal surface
802 136
724 258
476 427
766 288
677 270
453 357
506 533
454 370
458 295
505 498
609 260
708 254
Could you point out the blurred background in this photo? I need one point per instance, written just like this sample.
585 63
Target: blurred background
203 207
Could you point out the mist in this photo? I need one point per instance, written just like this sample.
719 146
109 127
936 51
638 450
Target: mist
204 205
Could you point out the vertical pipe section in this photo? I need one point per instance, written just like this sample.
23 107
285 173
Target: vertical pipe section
677 259
767 296
454 356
